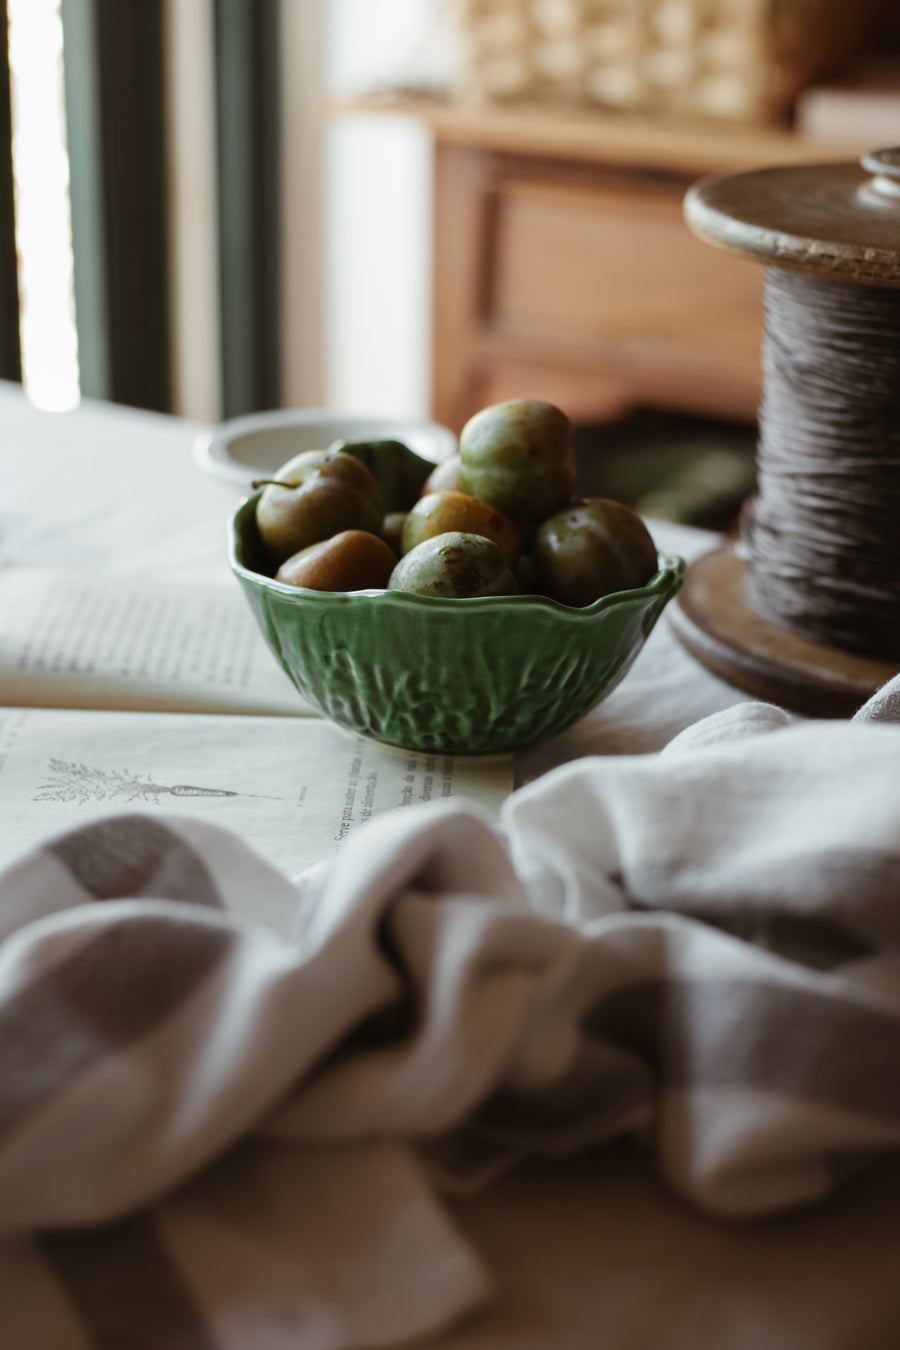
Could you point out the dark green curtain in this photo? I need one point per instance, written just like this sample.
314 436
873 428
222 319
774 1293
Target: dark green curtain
10 356
247 119
115 115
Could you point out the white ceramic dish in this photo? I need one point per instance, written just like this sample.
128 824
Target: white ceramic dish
255 446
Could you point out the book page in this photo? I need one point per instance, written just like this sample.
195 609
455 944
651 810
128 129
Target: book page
91 640
294 790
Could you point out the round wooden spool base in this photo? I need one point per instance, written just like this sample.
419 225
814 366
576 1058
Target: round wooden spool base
713 618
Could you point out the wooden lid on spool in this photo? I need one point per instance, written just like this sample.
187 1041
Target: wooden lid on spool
832 220
837 220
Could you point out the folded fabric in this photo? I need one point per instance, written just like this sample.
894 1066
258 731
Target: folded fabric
700 949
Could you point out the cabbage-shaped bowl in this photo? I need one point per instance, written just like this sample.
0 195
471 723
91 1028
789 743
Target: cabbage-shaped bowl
476 676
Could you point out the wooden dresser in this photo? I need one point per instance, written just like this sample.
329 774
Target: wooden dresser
563 268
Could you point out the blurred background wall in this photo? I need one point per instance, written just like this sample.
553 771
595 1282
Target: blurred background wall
377 207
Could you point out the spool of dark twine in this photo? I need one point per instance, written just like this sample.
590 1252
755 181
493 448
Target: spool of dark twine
822 535
806 610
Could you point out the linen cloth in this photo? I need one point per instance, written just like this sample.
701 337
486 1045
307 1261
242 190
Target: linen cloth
213 1137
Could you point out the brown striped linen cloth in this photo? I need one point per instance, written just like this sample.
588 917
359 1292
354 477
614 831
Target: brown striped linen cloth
213 1137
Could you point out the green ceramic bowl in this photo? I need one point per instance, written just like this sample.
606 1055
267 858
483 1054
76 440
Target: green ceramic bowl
477 677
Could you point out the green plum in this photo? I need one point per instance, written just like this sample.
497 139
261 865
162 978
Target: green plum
444 477
519 457
455 565
458 512
352 560
316 494
392 530
593 548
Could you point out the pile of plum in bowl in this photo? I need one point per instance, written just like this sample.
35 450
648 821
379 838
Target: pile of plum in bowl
471 607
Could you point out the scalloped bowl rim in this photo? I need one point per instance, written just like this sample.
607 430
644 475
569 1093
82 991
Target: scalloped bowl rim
671 568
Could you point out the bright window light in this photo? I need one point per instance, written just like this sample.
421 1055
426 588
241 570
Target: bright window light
43 224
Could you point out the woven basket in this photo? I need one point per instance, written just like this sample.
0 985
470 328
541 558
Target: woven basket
740 59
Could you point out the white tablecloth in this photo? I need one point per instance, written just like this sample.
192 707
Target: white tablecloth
588 1253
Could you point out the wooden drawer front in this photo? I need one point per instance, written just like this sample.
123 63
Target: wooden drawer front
597 265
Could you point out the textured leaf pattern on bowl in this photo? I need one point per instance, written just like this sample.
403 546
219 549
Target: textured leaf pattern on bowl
477 676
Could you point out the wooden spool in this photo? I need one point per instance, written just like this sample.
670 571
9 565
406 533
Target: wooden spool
832 220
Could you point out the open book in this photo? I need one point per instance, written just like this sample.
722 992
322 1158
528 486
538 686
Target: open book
121 694
294 791
94 640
